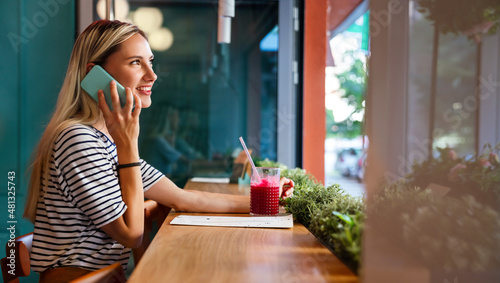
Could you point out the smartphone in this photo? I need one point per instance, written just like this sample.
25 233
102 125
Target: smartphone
98 79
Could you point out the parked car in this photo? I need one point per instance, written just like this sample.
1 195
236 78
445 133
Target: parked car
347 161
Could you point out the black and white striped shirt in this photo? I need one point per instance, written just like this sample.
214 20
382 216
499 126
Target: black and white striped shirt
83 195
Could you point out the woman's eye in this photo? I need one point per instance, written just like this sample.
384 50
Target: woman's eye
136 62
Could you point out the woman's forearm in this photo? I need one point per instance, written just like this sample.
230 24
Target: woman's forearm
198 201
132 195
167 193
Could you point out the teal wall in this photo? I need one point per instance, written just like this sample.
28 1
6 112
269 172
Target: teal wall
36 41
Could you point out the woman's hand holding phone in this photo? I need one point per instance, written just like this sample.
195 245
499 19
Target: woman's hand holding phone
122 123
97 78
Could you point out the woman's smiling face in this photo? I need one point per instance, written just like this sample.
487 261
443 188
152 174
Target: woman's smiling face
132 66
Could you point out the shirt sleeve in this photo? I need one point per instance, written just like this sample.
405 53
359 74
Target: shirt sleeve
87 175
150 175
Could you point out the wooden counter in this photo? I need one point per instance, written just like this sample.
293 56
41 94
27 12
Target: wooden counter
223 254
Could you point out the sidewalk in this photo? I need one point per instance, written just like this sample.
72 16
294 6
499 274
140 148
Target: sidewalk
350 184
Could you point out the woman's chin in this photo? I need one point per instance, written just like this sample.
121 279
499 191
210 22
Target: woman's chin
145 102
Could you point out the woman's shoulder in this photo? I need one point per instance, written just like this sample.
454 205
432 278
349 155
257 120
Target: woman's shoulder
76 131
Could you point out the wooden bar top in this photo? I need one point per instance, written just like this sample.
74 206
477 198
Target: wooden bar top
225 254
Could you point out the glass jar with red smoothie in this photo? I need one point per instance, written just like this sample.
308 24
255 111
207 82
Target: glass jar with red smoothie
264 191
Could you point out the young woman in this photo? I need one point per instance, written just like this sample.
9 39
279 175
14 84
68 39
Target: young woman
88 184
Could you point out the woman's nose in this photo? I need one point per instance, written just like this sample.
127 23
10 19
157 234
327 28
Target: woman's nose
150 75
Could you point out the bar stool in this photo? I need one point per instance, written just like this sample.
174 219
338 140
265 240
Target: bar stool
110 274
18 256
21 246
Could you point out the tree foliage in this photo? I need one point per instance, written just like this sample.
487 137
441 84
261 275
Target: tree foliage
352 87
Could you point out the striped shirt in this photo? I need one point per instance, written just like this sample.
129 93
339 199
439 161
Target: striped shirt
83 195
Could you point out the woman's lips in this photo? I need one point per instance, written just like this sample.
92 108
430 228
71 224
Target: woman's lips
146 90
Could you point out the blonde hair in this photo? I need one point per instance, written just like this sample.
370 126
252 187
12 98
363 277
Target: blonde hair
74 106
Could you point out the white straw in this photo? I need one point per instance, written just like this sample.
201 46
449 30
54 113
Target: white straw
249 158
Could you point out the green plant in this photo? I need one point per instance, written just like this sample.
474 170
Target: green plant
333 216
454 234
385 211
353 89
478 175
448 233
308 199
444 233
342 232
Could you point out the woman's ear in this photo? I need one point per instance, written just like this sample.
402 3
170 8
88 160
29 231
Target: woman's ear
90 66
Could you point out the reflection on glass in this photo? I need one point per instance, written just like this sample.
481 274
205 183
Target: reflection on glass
208 94
440 223
449 100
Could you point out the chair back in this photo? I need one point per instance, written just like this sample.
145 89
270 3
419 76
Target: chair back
17 261
240 167
110 274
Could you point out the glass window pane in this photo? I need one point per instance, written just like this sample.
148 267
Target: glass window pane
207 94
450 100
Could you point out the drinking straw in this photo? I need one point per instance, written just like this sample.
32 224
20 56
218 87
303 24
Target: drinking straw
249 158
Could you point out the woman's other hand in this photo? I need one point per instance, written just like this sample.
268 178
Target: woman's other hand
286 188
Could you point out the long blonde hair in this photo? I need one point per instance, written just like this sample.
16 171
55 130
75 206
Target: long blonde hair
74 106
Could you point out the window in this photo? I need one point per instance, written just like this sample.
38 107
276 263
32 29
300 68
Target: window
207 94
442 72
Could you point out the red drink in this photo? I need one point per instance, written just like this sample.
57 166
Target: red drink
264 198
